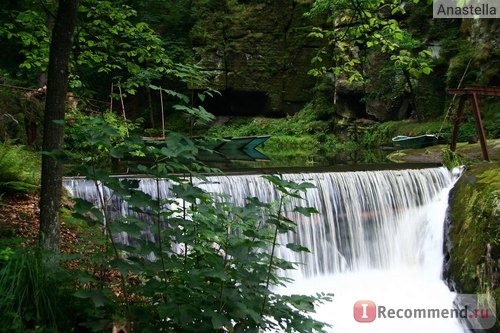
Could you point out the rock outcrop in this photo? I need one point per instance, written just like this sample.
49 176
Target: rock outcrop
259 54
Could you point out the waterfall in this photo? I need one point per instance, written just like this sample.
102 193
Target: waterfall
378 236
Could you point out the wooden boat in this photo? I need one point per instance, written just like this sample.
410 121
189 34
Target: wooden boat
234 144
242 148
226 149
408 142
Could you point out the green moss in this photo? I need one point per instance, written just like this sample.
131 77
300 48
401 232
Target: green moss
302 123
475 230
19 169
452 159
291 150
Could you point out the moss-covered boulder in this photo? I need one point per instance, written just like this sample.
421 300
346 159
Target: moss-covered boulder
474 232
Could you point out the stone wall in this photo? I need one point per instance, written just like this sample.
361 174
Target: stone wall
256 46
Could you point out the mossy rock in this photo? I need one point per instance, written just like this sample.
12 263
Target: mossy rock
257 46
474 232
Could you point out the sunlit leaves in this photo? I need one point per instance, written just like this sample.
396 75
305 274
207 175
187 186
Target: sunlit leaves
108 40
358 29
112 43
31 32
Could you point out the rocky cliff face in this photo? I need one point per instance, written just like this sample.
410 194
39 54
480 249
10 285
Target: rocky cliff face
258 53
477 44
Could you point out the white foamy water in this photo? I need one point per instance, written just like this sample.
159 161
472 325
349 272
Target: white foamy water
378 237
412 281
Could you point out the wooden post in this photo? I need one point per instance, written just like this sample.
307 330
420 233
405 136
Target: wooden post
479 125
458 121
473 92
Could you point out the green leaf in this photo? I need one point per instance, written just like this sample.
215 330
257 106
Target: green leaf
303 303
297 248
116 153
201 97
96 296
173 93
132 229
306 211
189 193
218 321
140 199
82 206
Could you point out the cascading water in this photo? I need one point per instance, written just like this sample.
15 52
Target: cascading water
378 236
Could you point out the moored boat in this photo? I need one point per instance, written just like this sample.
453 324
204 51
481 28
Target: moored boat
420 141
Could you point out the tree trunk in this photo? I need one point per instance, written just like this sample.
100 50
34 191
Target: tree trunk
413 99
53 131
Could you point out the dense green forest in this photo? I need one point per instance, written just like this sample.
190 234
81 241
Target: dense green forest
296 70
328 80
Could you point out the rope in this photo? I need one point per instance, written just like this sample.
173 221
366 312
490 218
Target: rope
111 99
453 98
162 114
123 109
8 115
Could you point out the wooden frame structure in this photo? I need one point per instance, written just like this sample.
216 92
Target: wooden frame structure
472 92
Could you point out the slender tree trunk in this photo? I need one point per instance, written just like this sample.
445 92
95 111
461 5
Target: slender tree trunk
413 99
53 131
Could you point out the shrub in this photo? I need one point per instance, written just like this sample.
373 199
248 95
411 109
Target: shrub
19 169
84 132
36 296
212 266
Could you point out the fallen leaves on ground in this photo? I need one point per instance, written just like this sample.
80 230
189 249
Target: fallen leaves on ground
20 218
19 224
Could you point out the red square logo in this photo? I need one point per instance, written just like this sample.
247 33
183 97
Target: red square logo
365 311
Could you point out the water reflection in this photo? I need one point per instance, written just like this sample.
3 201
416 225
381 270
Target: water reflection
321 158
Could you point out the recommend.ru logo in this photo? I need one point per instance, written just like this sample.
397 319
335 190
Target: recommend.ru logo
365 311
475 311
